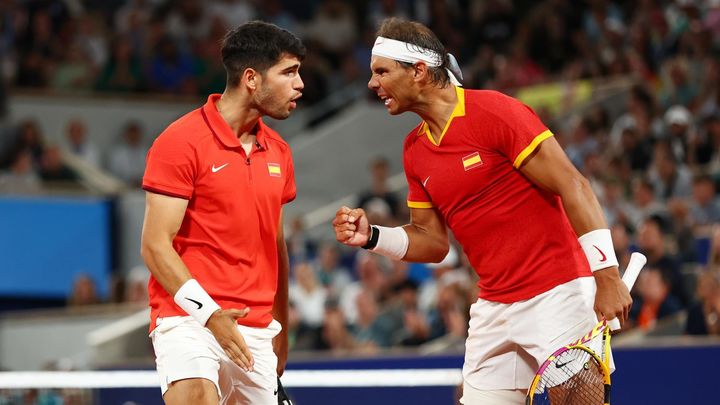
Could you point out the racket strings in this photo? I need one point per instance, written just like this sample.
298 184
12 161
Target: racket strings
573 378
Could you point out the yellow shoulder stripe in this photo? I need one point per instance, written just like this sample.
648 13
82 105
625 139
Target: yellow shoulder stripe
419 204
531 148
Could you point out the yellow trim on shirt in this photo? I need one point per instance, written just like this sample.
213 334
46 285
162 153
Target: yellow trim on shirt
419 204
458 111
531 148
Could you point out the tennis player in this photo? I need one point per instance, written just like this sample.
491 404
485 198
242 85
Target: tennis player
483 164
216 180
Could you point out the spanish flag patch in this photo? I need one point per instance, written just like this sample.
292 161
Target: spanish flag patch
472 161
274 169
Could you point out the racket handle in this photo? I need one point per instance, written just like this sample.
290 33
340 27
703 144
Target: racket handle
637 261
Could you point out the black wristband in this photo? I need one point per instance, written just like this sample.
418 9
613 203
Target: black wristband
373 239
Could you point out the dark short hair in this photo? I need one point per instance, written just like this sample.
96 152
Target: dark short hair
257 45
417 34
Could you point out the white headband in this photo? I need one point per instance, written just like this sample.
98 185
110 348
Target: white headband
409 53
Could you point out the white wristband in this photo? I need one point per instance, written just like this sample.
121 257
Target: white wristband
392 242
598 248
196 301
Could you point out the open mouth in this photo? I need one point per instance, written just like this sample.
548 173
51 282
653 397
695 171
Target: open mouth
386 100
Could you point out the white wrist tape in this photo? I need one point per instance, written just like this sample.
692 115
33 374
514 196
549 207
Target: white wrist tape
392 242
598 248
196 301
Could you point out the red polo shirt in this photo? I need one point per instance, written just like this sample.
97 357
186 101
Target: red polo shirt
516 235
228 238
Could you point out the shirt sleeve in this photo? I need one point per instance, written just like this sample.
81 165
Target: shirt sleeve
170 168
520 131
290 189
417 196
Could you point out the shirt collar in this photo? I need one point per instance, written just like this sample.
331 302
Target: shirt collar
458 111
221 129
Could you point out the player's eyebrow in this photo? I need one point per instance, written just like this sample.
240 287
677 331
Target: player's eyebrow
291 68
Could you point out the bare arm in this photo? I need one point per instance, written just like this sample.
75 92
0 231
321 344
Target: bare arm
427 234
281 304
163 217
550 169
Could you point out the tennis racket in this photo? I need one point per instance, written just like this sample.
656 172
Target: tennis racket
579 373
283 398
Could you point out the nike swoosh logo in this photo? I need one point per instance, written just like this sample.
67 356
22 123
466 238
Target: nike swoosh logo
604 258
217 169
561 365
424 183
198 303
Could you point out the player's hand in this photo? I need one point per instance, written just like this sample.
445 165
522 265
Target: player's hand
223 325
280 347
351 226
612 299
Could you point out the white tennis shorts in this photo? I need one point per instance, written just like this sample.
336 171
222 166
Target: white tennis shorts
185 349
507 342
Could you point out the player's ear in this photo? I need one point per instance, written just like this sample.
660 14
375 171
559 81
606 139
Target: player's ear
250 78
420 71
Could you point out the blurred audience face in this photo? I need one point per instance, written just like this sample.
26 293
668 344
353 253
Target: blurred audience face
76 132
328 257
52 159
367 307
83 292
305 277
650 238
703 191
620 238
652 287
133 135
643 194
22 163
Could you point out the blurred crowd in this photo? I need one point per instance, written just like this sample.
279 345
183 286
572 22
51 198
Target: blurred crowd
655 167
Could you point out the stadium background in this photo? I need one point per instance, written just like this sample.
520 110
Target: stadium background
631 90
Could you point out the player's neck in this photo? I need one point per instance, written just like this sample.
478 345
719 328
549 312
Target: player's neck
435 106
238 113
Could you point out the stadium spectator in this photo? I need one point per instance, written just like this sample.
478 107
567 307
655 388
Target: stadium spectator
21 178
308 296
653 243
380 203
79 144
127 159
53 171
84 292
704 315
331 274
654 301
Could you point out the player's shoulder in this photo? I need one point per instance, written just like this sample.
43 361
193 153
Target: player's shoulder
489 99
274 139
413 136
189 128
492 103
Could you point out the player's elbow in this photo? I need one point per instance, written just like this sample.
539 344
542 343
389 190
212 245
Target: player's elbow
439 251
576 185
149 248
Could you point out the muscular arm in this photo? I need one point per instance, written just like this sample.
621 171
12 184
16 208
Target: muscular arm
428 239
428 236
550 169
163 217
280 306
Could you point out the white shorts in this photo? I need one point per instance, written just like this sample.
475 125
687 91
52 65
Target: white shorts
185 349
507 342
